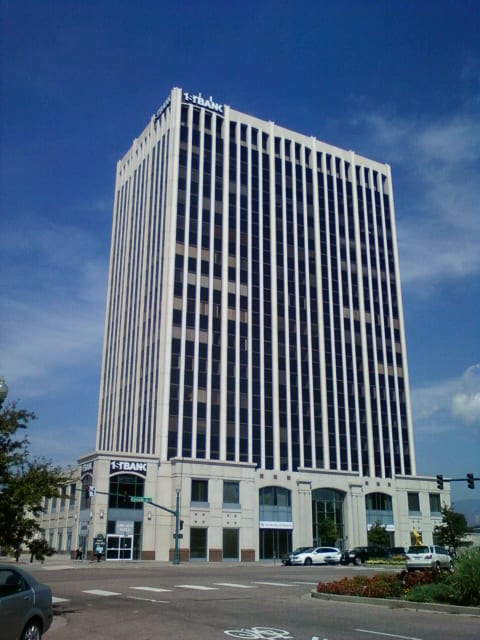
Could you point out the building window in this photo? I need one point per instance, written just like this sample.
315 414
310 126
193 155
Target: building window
198 543
87 481
123 487
379 508
73 495
63 498
275 505
413 503
230 544
231 493
199 492
435 504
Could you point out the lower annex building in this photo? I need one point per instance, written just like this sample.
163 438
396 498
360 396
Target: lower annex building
254 366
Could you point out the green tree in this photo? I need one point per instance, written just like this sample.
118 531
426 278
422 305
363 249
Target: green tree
24 481
453 529
378 535
328 531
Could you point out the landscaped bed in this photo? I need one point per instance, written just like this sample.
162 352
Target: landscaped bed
459 588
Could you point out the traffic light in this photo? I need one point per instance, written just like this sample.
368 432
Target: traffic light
439 481
470 481
181 525
126 496
87 491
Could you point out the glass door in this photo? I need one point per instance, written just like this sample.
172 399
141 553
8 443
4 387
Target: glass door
119 547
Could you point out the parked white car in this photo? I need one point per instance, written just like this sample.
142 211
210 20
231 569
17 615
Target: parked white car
423 556
318 555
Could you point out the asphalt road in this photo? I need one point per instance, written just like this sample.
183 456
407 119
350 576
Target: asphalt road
147 601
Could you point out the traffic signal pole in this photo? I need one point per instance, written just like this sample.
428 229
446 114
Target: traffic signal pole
470 479
176 513
176 558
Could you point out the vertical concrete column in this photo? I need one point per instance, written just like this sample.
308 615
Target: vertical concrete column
356 519
302 515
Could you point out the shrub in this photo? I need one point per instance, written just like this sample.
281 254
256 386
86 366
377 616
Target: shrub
465 582
433 592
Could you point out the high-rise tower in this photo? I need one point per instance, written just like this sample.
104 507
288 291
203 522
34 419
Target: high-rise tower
254 332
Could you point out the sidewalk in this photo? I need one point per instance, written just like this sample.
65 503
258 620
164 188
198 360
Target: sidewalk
57 561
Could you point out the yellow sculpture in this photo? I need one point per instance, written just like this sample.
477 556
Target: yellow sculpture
417 537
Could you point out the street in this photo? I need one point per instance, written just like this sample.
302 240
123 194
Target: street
144 601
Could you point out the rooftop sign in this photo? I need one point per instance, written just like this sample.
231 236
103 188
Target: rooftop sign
157 115
206 103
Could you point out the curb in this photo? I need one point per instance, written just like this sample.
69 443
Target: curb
401 604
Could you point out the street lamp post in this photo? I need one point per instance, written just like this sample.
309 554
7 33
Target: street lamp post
3 395
3 390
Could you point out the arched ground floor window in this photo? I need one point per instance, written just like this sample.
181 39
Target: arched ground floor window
328 517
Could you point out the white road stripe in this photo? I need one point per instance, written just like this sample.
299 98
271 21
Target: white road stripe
195 586
387 635
300 582
156 589
100 592
274 584
56 599
147 599
234 584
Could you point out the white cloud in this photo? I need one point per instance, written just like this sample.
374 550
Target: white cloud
53 304
448 405
466 403
435 168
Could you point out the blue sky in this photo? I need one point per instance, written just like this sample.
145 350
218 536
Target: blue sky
395 81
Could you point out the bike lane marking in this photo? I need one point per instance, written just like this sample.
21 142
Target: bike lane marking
259 633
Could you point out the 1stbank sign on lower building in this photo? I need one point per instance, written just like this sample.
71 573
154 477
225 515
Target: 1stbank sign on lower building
119 466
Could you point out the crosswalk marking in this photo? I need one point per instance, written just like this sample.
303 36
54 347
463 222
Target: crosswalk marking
195 586
100 592
275 584
156 589
235 585
198 587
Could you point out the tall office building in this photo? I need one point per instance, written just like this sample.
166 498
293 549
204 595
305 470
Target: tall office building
254 361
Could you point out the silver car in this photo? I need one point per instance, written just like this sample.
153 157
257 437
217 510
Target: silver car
423 556
318 555
25 605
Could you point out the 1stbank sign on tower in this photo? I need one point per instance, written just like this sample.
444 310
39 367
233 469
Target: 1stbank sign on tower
206 103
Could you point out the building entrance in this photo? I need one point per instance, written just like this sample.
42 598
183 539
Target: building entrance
119 547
